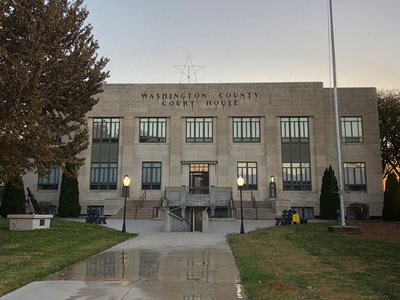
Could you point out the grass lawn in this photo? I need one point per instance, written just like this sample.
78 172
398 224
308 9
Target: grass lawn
307 262
26 256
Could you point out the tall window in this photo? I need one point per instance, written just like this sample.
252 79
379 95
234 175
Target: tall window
104 166
199 130
248 170
354 176
151 176
352 129
295 154
152 130
49 182
246 130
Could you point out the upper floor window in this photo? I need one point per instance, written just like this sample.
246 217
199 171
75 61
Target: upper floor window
352 129
105 129
248 170
354 176
294 129
152 130
246 130
49 182
199 130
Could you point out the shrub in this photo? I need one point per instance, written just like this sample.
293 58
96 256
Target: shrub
391 202
69 195
329 199
13 200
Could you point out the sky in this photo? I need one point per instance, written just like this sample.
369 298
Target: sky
249 40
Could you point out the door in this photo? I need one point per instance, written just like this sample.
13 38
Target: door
198 219
199 180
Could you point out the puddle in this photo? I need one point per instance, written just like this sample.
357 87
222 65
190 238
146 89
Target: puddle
192 275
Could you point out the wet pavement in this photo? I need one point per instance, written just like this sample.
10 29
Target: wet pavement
155 265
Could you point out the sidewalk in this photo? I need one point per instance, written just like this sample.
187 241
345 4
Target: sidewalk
155 265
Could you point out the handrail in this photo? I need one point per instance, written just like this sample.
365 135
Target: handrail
178 217
139 204
163 198
156 209
253 199
233 210
176 208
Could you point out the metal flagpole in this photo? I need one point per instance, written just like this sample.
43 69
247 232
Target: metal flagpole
337 119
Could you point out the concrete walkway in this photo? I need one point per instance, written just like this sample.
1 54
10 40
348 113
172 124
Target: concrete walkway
155 265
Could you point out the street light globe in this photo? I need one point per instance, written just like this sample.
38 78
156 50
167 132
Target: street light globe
126 181
240 181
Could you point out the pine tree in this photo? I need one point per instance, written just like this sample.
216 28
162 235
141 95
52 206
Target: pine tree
49 76
329 199
391 202
69 194
13 198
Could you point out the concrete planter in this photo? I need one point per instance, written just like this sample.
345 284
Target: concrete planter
29 222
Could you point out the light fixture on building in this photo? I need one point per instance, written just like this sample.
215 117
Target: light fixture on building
240 183
126 182
272 187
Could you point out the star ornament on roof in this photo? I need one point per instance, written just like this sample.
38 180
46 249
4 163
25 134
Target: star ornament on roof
188 71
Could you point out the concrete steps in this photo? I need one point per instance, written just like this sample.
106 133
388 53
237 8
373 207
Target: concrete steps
262 210
145 212
251 204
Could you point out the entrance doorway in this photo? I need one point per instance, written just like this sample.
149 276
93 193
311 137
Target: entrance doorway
197 219
198 179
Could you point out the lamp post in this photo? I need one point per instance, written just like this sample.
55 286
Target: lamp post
272 187
240 182
126 182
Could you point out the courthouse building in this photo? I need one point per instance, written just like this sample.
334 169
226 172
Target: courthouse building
190 142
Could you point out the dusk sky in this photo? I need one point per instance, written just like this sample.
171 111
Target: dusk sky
249 41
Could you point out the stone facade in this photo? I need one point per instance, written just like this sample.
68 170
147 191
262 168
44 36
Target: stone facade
222 102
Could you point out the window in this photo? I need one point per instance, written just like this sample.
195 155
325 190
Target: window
49 182
151 176
246 130
354 177
248 170
104 165
296 168
152 130
199 130
352 130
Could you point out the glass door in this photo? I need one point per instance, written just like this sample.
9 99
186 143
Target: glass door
199 179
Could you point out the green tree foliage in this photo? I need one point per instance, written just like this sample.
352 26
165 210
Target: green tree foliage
13 198
69 194
49 76
391 202
389 126
329 198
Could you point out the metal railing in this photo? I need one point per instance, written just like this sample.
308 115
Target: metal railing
199 190
176 216
253 200
232 206
163 199
157 209
140 203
